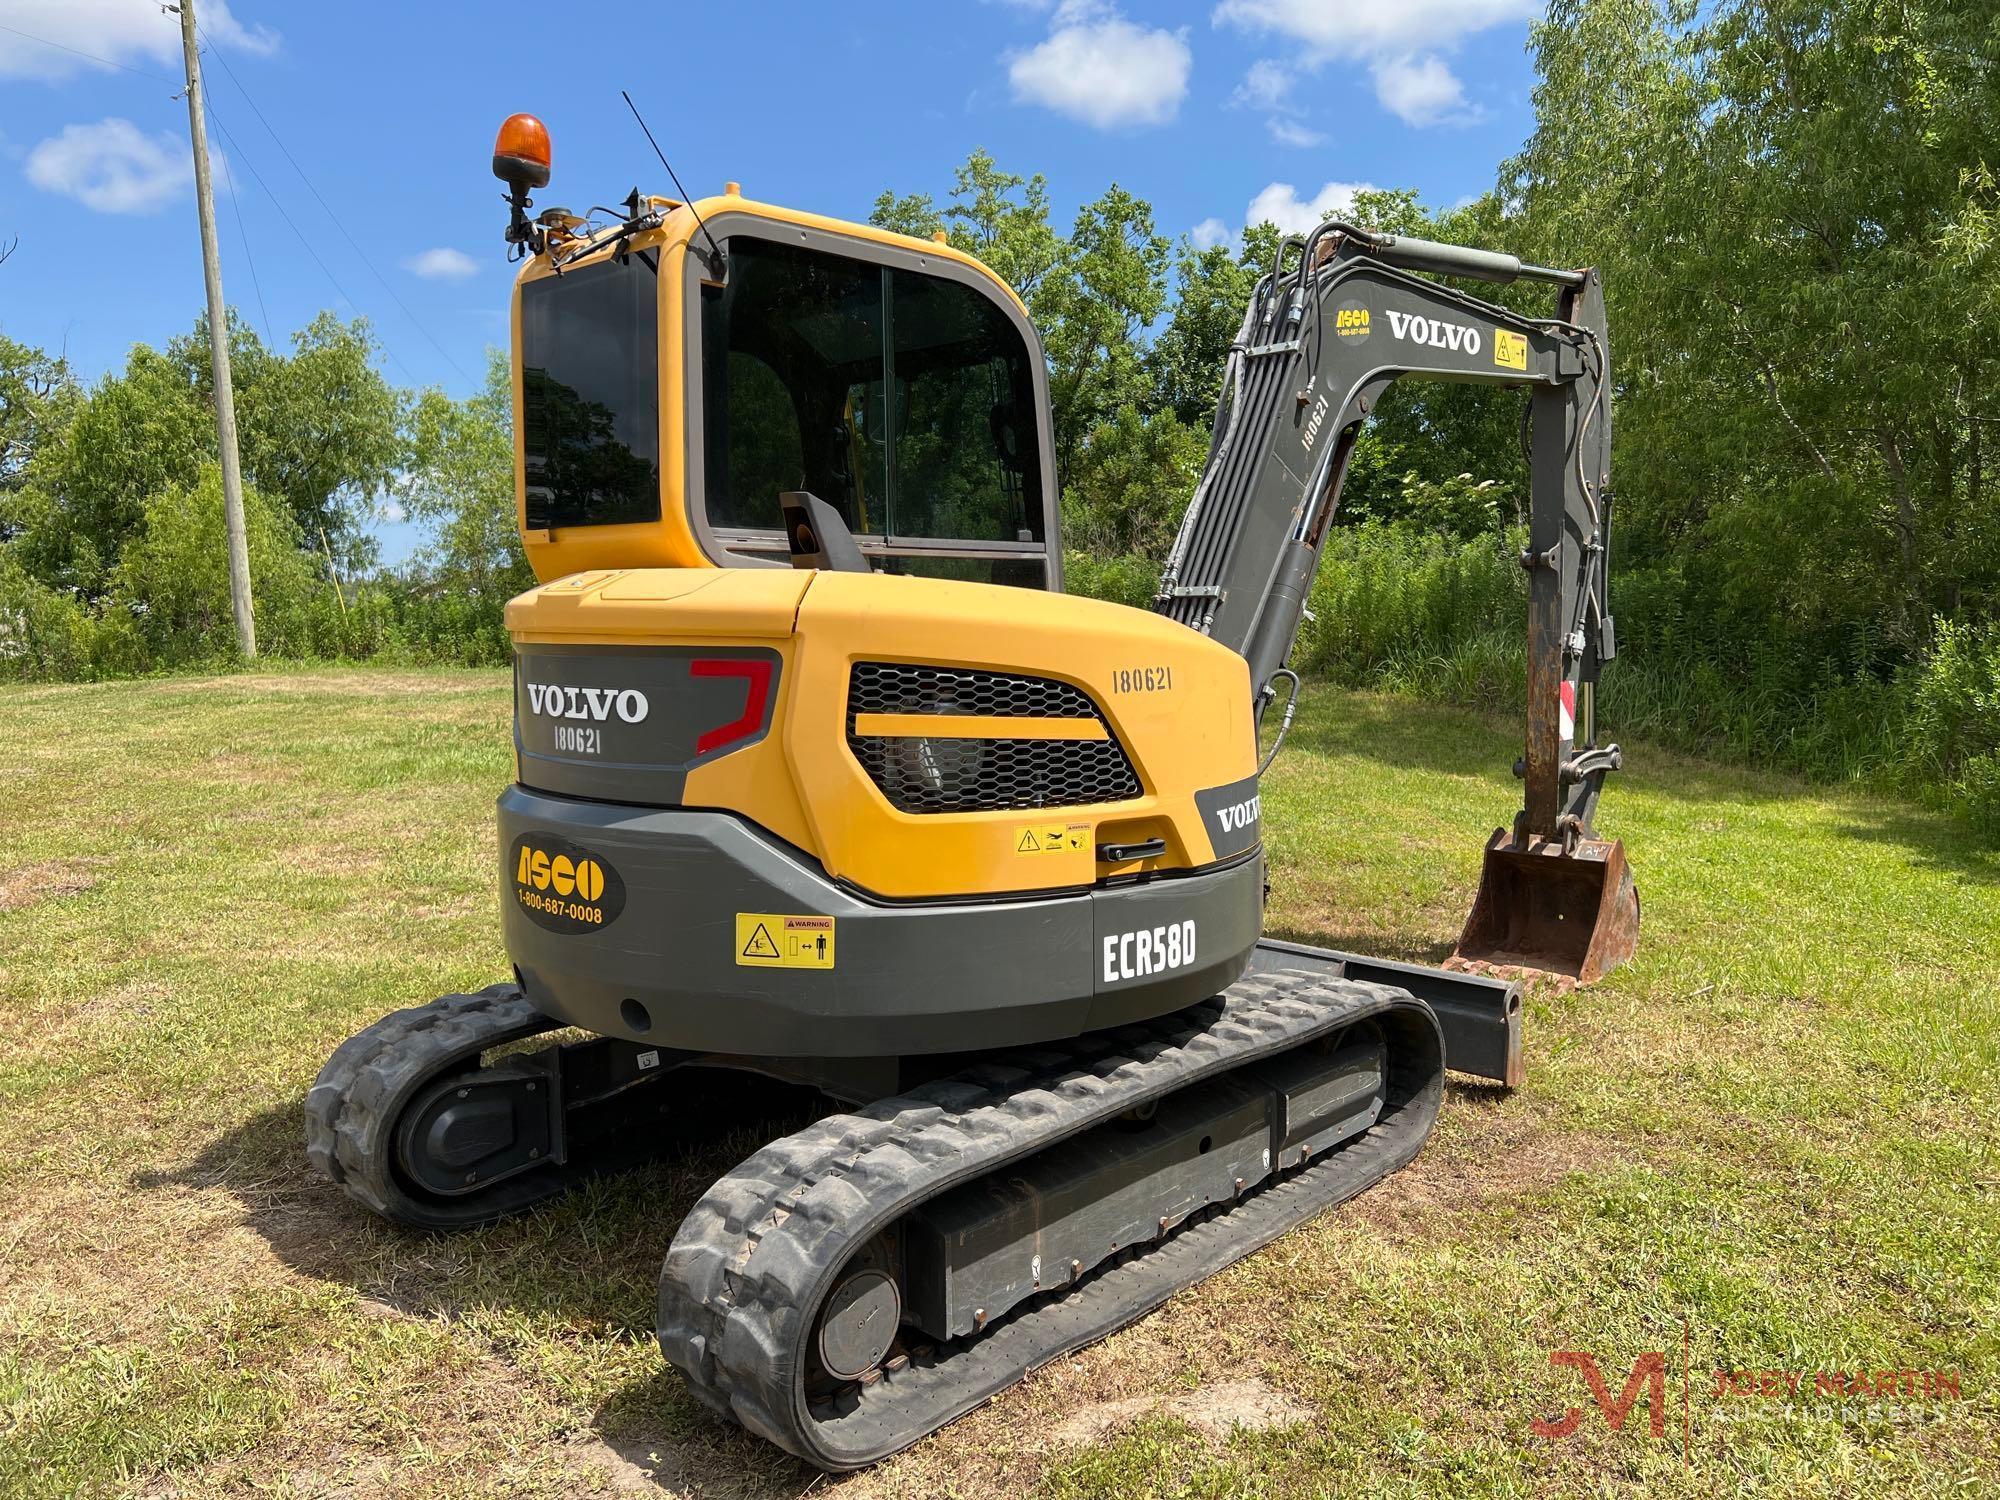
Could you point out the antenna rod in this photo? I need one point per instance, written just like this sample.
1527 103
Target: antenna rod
715 250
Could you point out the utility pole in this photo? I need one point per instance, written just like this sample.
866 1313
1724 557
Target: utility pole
218 348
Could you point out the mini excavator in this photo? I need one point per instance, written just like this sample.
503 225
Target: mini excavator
821 777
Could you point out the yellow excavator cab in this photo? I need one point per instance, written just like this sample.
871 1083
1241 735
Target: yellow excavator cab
675 374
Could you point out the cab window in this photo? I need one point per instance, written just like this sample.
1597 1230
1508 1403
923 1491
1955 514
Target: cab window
906 401
590 394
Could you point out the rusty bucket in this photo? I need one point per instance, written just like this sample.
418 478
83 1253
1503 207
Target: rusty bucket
1575 913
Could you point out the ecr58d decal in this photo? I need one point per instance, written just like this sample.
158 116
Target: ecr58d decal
1151 950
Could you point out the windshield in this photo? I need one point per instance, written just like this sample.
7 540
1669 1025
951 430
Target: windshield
906 401
590 394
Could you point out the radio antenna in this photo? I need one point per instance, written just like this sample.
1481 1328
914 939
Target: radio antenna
715 250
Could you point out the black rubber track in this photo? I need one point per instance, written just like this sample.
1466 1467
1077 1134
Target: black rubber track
759 1253
355 1104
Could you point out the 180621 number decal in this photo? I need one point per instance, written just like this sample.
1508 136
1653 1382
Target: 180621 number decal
1142 679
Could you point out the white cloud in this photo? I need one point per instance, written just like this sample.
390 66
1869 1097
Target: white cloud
442 264
113 167
1419 90
132 32
1281 205
1099 68
1289 132
1208 233
1343 29
1400 42
1267 85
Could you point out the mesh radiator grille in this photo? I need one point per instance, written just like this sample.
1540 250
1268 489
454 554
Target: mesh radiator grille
927 775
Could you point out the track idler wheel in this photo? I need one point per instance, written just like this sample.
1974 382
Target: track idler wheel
477 1128
408 1123
859 1324
415 1121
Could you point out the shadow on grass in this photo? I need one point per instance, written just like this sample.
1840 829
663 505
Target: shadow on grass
1930 839
1412 735
584 1264
1404 734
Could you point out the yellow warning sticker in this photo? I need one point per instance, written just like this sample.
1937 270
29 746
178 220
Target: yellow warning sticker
1510 350
771 940
1051 838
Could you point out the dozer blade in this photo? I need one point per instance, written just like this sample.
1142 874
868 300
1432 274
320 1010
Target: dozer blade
1573 914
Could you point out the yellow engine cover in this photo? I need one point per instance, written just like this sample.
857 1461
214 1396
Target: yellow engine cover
1175 702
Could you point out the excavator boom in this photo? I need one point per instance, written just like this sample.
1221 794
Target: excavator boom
1342 315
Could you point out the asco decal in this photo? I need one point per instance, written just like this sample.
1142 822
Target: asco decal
563 886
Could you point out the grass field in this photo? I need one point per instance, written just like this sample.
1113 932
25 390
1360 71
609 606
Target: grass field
1767 1144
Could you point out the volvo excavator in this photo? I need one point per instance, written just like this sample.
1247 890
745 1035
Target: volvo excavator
820 776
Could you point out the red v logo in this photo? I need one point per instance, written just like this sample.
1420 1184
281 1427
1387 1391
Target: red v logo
1648 1371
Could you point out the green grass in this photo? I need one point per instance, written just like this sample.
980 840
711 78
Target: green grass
1771 1135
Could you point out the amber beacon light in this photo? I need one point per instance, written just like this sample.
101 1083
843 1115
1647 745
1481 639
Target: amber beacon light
521 153
521 157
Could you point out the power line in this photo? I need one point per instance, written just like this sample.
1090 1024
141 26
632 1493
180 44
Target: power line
337 223
90 56
236 203
258 177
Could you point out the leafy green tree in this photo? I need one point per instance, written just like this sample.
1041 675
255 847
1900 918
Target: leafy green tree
1091 294
37 399
1212 287
999 217
1093 311
174 579
319 430
84 493
1131 484
461 480
1794 205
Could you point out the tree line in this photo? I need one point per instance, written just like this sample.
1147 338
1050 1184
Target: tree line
1794 206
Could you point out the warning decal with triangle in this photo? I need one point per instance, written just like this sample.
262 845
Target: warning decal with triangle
1051 838
775 940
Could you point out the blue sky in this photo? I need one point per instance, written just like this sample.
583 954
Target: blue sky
369 124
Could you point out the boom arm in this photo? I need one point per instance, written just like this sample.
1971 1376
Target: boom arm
1337 320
